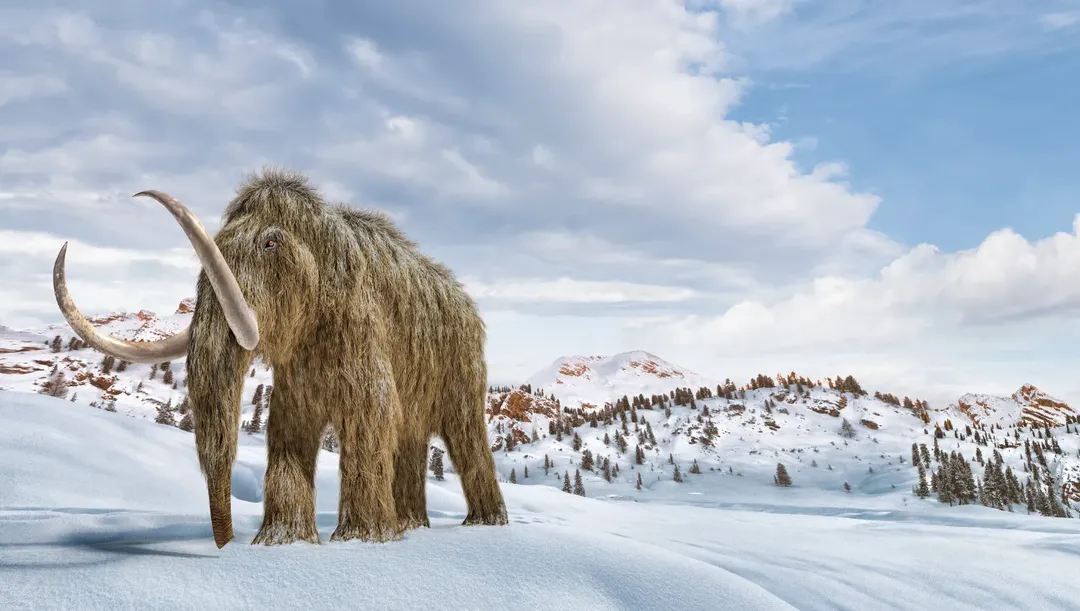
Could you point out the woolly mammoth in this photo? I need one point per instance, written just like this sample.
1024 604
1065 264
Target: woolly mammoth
364 334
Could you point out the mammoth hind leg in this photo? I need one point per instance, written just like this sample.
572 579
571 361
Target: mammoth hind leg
410 481
292 446
465 434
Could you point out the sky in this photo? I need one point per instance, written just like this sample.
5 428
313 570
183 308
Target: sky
739 186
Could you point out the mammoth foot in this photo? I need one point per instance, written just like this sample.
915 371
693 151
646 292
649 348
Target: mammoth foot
283 534
371 532
487 518
410 522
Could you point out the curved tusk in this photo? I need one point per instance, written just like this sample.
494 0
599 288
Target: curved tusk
159 351
238 313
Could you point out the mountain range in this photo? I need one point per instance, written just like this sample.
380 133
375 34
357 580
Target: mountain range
632 421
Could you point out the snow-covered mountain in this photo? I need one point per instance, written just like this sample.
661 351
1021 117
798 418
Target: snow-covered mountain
1028 405
633 423
596 379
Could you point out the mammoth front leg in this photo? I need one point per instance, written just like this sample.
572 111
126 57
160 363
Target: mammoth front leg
367 428
293 434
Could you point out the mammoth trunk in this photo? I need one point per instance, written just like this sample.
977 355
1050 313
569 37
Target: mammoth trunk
216 365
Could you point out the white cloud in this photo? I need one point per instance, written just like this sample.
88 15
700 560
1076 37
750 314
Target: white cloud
894 40
571 155
366 55
568 290
1059 21
236 73
1005 278
752 12
926 309
13 88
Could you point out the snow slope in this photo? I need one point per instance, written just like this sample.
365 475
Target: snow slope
98 510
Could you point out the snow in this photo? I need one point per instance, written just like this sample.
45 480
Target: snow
99 510
109 510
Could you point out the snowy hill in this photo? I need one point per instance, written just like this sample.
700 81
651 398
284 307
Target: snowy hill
103 511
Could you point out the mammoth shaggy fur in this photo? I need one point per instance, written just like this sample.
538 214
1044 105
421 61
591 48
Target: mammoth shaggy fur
365 334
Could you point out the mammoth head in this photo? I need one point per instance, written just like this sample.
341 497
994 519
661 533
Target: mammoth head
259 278
238 313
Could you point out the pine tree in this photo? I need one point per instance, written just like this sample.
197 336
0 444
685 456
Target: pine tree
781 478
922 489
847 487
257 397
607 469
255 426
547 464
513 476
122 366
187 423
579 488
55 385
639 480
945 485
436 463
566 482
695 468
846 430
587 460
330 440
56 344
165 416
525 472
677 476
153 371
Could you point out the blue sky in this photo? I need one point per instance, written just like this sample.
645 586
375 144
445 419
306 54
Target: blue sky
956 143
739 186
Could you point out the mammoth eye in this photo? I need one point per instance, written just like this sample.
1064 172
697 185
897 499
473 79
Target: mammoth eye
270 244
